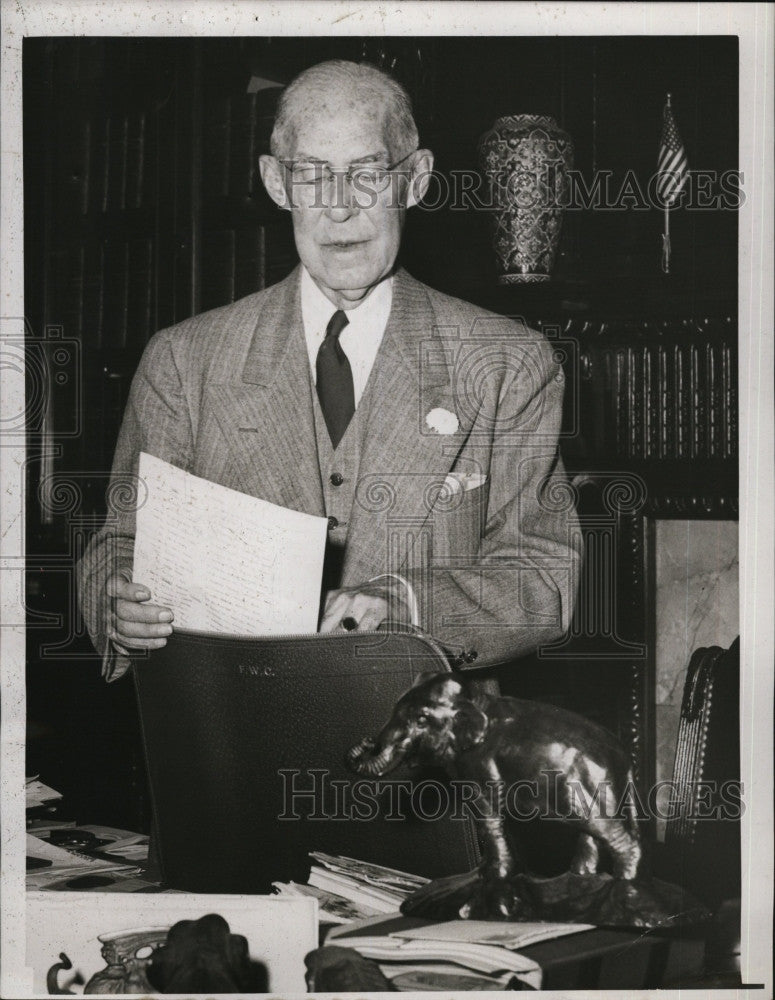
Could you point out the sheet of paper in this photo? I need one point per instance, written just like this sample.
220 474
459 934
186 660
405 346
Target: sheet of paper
37 793
502 934
58 856
224 561
480 957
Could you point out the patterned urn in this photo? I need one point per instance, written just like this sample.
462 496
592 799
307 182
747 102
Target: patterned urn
526 159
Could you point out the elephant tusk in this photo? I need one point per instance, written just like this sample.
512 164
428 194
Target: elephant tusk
363 759
379 764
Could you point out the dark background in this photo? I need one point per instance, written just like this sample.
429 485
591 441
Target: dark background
143 205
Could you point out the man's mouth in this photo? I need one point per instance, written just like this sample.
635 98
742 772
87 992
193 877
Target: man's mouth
344 244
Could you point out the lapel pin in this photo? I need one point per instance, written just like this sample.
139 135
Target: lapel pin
442 421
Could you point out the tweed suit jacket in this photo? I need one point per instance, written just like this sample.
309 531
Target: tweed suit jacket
457 398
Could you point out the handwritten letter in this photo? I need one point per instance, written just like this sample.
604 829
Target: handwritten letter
224 561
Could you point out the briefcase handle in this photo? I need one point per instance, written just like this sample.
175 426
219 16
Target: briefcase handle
458 657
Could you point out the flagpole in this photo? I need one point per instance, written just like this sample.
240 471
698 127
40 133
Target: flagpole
666 233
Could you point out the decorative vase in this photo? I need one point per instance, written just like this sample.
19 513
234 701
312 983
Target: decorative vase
527 159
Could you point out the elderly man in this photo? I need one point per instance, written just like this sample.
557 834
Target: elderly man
423 428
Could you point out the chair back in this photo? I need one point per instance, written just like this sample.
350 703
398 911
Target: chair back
702 838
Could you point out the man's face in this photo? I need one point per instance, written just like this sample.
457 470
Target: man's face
348 240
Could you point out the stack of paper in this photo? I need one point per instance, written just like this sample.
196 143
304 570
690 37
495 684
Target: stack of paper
380 889
479 957
333 908
348 890
409 977
456 954
430 964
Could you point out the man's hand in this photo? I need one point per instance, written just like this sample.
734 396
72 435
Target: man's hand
136 624
363 608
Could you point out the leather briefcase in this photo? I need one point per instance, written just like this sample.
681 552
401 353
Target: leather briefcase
245 742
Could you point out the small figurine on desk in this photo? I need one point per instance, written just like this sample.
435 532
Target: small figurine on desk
128 955
572 769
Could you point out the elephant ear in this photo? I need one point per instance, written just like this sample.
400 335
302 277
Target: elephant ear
469 724
424 677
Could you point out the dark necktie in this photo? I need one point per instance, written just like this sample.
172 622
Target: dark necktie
335 380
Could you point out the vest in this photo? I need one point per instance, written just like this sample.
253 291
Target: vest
339 476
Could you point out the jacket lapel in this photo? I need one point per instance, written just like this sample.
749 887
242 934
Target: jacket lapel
267 413
404 461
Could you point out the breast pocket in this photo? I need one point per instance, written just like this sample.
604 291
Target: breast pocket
458 520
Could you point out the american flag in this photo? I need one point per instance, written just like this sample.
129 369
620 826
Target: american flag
672 165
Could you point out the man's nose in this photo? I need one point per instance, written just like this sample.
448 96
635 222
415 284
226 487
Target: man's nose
341 202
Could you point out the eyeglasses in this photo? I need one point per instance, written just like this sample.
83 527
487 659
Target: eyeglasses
366 177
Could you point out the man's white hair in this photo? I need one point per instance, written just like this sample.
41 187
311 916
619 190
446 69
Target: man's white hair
365 83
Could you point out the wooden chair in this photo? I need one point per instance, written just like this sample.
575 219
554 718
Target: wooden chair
702 839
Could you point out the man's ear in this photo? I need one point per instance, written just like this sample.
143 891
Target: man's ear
469 724
272 176
421 177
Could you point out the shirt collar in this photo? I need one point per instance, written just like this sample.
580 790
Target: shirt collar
316 310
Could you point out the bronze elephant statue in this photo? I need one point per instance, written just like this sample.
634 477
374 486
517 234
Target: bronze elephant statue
570 768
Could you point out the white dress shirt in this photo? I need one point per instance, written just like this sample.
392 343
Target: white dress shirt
362 336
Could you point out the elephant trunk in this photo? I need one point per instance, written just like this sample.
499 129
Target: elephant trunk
366 757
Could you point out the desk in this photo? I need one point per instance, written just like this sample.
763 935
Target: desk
601 959
595 959
614 959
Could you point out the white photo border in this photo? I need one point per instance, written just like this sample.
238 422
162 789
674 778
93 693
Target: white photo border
753 23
